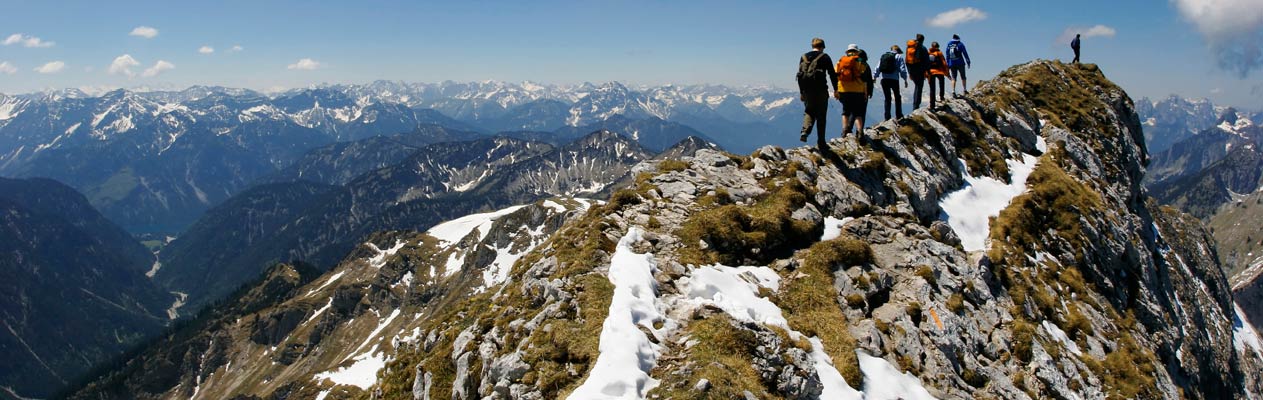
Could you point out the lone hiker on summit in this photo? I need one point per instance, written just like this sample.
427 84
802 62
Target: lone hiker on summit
1074 44
814 69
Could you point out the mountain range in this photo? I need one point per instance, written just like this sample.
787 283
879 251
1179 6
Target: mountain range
154 161
1001 247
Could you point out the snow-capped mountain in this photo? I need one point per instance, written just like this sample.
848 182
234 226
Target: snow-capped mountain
154 160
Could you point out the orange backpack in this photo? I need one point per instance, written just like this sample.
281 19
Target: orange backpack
849 69
912 57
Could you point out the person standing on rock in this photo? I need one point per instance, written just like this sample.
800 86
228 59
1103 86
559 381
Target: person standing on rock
957 61
891 69
917 67
815 75
855 87
937 73
1074 45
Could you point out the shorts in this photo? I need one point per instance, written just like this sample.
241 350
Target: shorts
958 69
854 104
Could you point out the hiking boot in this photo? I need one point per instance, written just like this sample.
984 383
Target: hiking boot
802 138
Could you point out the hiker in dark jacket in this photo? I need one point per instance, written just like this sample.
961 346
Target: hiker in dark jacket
891 69
1074 44
957 61
815 90
918 65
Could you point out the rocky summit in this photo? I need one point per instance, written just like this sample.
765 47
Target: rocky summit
1000 247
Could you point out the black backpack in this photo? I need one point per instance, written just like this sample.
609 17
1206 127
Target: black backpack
953 51
887 64
808 73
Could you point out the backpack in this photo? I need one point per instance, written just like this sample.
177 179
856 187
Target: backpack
912 57
887 65
933 59
953 51
849 69
808 74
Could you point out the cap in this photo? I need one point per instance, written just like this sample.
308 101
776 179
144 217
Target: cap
852 46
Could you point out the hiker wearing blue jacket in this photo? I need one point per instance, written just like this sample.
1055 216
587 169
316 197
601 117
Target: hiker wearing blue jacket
957 61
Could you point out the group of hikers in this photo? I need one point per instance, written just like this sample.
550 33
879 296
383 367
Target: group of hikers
852 80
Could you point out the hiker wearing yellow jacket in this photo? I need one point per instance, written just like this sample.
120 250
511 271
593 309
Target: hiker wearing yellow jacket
855 87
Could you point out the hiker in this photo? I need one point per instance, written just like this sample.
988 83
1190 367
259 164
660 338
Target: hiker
915 60
891 70
812 70
1074 44
957 61
937 72
855 87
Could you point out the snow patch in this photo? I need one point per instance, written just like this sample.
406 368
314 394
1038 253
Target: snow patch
969 210
329 281
736 291
319 311
884 381
833 227
455 230
379 260
626 354
1060 336
1243 333
361 374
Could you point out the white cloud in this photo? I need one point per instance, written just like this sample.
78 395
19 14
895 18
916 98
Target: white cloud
7 69
1232 29
306 64
236 47
145 32
206 50
51 67
123 65
1089 32
157 68
26 41
949 19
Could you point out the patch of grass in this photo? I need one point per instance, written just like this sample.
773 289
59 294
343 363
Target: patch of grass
914 311
672 165
1054 201
1023 339
810 303
721 356
876 162
749 235
926 272
855 300
956 303
1127 372
565 344
622 198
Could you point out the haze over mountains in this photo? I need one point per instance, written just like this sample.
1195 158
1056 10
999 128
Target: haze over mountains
154 161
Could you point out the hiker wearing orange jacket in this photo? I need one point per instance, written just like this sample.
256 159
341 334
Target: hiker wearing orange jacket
937 72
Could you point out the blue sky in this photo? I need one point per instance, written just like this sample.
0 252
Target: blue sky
1156 47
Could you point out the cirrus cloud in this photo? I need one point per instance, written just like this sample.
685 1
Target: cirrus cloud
145 32
305 64
51 67
157 68
26 41
7 69
1232 30
951 18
